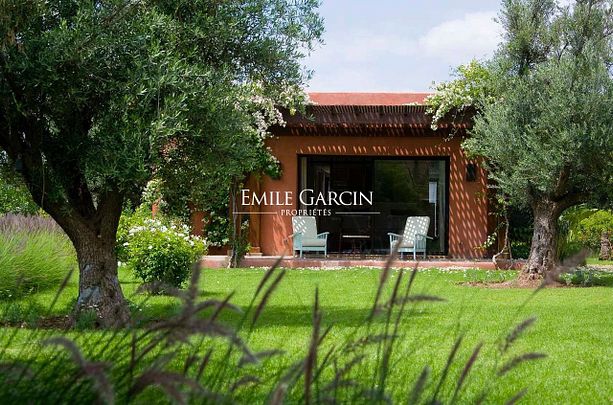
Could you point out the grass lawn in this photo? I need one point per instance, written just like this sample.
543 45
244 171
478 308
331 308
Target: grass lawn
595 262
574 327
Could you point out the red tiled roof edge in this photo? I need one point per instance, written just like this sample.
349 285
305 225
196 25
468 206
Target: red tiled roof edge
350 98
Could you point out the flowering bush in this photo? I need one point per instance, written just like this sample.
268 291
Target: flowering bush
128 221
470 88
160 253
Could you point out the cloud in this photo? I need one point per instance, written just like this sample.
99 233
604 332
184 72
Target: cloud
476 35
398 56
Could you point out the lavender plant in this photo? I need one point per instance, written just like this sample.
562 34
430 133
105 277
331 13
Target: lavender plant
34 255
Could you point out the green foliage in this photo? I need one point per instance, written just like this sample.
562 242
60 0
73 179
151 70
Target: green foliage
579 277
544 103
14 195
546 133
590 229
581 227
162 254
239 242
568 242
470 89
15 198
86 321
218 228
520 231
99 98
182 85
129 220
33 258
21 313
520 250
544 112
588 277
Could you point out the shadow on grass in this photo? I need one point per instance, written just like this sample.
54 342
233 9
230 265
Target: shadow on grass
274 316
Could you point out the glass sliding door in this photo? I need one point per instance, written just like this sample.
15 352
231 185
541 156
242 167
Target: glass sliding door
406 188
399 187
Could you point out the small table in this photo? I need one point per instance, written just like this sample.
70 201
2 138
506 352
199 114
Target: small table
355 240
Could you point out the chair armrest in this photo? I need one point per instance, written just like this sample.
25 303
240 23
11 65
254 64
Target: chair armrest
394 237
296 239
323 235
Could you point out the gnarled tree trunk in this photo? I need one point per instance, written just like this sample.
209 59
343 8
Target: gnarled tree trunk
93 232
99 289
89 219
543 252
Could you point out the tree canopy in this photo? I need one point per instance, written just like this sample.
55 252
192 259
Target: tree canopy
548 134
545 111
97 97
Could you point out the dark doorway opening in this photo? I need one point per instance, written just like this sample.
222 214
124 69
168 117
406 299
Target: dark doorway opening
400 187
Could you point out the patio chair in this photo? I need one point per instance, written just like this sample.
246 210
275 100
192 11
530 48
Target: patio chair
414 237
306 238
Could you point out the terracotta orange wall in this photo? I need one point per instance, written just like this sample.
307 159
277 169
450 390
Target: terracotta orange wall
468 207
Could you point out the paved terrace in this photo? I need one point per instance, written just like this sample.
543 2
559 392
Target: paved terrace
336 261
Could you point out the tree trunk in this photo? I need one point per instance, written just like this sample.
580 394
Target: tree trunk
543 251
99 289
89 219
605 246
94 237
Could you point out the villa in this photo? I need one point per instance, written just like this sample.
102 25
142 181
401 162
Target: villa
361 163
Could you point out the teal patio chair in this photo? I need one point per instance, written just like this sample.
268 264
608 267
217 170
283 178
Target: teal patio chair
305 236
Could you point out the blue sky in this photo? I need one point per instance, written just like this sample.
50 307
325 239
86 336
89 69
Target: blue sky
400 45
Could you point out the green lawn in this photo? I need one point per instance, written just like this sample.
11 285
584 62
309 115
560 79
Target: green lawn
574 327
594 261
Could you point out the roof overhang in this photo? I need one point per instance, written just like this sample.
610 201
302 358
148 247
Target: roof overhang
365 120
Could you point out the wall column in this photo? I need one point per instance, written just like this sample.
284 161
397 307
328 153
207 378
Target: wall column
254 219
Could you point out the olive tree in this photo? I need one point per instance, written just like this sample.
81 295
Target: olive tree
544 127
98 97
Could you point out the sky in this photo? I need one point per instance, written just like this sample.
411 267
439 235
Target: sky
400 45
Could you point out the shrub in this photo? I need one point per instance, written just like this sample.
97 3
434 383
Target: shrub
520 250
159 253
35 255
568 249
14 195
579 277
129 220
15 199
591 228
571 238
520 232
